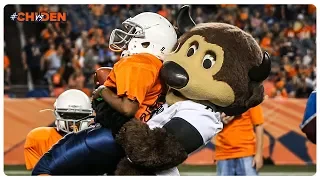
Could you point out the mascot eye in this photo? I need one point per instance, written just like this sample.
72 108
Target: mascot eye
209 60
193 49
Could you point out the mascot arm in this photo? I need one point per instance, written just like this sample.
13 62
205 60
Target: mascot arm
163 148
109 117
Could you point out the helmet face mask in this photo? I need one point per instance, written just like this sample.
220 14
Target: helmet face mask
119 38
72 120
145 33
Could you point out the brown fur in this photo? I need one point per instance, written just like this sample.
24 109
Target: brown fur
155 150
241 53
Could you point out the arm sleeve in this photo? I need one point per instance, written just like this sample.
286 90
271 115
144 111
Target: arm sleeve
256 115
134 81
207 123
31 153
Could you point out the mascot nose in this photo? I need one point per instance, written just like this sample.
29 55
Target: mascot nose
174 75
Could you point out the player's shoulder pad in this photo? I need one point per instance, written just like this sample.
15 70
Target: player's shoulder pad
41 133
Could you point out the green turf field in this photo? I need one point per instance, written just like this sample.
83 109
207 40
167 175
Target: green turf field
205 170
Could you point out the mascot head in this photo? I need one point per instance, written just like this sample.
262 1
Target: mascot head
215 63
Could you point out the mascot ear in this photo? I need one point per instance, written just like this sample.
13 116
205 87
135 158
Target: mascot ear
255 99
184 20
261 72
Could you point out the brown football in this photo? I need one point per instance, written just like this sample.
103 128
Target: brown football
101 74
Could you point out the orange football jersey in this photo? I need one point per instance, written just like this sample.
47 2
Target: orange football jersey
38 142
136 77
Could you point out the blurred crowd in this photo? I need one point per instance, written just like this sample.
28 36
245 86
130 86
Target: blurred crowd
65 55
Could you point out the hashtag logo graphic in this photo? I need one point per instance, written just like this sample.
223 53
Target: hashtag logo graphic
39 17
14 16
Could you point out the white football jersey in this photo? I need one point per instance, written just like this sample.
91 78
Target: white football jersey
205 120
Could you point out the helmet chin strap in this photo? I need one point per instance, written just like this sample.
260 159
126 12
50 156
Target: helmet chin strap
115 48
43 110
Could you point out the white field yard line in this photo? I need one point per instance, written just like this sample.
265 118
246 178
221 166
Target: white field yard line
27 173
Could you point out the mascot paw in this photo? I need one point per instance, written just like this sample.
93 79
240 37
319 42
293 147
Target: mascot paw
152 149
138 132
126 168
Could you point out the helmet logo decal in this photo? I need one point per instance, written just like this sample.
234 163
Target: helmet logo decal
74 106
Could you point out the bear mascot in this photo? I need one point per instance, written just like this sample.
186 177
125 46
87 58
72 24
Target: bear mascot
215 67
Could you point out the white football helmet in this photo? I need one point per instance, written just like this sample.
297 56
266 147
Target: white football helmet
145 33
73 111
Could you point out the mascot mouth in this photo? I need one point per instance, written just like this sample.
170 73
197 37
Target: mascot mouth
177 93
174 96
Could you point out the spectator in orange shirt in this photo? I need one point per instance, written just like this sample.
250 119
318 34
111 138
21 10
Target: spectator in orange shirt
49 32
305 31
58 85
239 145
164 11
280 88
289 32
76 81
266 41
